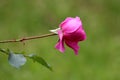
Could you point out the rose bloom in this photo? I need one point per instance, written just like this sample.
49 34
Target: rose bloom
71 32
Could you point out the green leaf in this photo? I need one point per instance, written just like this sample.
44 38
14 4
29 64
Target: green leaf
16 60
40 60
3 51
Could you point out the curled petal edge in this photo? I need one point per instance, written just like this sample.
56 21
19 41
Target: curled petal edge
60 44
73 45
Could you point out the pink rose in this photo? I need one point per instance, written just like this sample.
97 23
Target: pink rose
70 33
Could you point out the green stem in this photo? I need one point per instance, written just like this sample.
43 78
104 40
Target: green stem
28 38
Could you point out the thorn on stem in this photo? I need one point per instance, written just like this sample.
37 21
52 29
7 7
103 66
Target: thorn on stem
23 41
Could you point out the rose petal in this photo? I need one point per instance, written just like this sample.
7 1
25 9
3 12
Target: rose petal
82 35
73 45
70 25
66 20
60 44
79 35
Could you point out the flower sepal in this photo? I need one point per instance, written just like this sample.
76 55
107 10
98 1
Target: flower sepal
55 30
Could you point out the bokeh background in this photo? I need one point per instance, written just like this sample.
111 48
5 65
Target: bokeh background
99 55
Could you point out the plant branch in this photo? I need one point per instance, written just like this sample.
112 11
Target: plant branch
28 38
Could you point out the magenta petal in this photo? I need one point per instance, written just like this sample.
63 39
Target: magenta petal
79 35
73 45
60 44
83 35
66 20
71 25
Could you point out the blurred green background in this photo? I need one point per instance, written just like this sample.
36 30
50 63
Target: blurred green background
99 55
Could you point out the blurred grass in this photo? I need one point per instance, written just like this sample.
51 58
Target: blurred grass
99 55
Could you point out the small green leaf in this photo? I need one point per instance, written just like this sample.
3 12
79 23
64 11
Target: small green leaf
40 60
3 51
16 60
